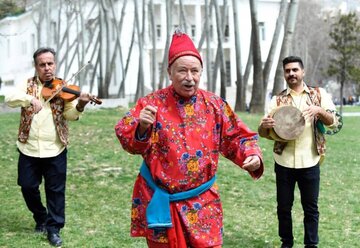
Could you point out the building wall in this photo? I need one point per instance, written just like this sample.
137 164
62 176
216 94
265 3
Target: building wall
16 47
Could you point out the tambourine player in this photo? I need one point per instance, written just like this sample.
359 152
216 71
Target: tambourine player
298 160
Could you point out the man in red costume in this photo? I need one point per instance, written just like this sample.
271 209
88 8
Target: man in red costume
180 131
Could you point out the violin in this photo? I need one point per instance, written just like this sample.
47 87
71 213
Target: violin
58 88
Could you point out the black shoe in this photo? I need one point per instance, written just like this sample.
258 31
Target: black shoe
286 246
40 228
54 239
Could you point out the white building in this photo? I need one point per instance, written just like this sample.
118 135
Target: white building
19 38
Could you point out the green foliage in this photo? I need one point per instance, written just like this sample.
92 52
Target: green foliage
345 42
101 176
10 8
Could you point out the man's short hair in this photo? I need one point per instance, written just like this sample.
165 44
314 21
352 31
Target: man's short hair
293 59
42 50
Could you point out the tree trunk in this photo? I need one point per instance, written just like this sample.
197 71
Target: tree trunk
205 30
119 26
140 82
80 44
249 65
117 47
153 41
239 77
38 16
121 92
341 95
220 23
275 40
164 63
95 66
208 49
288 34
100 57
257 97
46 21
106 61
182 23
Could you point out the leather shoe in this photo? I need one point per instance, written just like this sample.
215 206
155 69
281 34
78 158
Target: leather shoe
40 228
54 239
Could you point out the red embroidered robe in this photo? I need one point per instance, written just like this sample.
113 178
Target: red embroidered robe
182 152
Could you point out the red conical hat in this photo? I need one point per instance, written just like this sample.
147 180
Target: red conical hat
181 45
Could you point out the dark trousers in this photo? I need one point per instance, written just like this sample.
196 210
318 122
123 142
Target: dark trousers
31 170
308 180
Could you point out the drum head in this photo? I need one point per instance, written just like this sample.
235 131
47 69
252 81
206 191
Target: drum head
289 122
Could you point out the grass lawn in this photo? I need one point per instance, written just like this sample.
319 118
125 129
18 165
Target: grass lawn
101 176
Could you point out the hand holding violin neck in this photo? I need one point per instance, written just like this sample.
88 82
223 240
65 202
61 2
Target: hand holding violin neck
71 91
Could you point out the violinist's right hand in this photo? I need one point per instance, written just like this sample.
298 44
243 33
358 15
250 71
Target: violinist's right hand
36 105
147 118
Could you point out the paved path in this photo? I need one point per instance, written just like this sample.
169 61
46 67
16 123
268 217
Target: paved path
352 114
5 109
106 103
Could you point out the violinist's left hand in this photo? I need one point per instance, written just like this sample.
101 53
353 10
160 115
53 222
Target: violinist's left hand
83 99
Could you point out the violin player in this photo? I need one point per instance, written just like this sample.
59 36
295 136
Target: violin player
42 144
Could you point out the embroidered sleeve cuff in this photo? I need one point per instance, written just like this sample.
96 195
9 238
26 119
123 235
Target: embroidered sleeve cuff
337 124
143 137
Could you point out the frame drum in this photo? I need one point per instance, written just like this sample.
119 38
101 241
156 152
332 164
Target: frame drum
289 123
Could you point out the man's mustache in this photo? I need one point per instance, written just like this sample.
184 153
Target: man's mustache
188 83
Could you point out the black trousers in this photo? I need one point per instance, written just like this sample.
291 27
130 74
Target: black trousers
308 180
31 170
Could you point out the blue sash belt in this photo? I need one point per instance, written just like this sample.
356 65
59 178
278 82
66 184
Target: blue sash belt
158 211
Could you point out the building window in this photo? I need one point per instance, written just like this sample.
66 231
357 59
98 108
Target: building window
158 31
262 31
226 32
193 31
9 83
228 73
